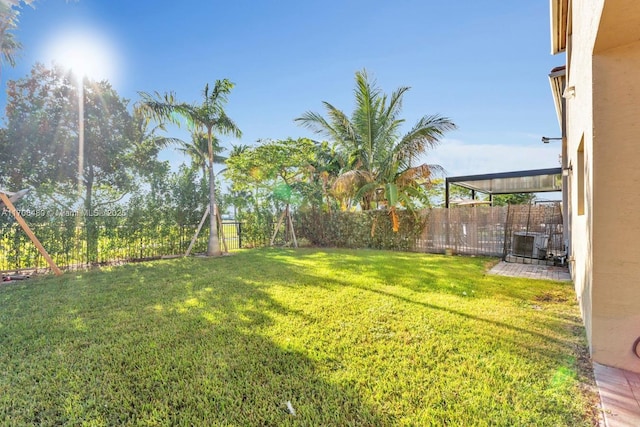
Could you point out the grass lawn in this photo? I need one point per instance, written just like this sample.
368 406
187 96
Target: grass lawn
362 338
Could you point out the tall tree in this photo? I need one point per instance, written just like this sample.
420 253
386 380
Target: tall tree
371 146
207 117
40 147
279 169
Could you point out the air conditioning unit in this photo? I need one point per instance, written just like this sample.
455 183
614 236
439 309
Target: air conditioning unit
529 245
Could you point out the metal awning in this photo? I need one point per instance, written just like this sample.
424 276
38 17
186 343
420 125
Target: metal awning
530 181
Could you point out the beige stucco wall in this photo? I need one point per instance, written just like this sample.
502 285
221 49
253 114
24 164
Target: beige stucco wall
616 200
604 67
579 125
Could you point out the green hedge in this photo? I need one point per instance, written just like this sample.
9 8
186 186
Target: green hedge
370 229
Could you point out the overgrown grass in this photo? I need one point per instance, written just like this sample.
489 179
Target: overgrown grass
363 338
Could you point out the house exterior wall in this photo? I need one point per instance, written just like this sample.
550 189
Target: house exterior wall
579 123
616 214
603 149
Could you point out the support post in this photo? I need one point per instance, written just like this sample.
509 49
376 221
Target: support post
293 232
446 193
195 236
32 236
275 232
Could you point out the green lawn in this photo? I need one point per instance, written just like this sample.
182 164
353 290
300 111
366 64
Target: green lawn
362 338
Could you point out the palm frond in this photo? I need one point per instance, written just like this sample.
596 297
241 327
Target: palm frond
226 126
349 182
157 107
425 134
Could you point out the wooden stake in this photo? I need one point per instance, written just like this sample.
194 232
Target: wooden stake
195 236
32 236
293 232
275 232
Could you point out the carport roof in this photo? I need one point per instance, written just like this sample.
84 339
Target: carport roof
530 181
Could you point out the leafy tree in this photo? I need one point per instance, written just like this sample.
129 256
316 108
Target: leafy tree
188 195
207 117
40 143
380 164
276 173
513 199
282 167
436 195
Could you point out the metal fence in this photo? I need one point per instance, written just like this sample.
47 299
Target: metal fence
68 247
515 233
534 234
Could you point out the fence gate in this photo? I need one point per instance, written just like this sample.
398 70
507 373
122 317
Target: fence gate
534 234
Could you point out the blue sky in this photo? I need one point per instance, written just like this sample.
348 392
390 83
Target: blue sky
484 64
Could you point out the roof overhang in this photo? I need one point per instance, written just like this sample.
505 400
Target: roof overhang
618 25
559 25
529 181
557 80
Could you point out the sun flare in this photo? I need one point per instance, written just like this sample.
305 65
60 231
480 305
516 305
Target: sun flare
84 51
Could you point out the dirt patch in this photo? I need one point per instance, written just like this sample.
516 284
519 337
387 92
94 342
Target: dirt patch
551 296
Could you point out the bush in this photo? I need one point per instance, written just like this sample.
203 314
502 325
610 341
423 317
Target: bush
370 229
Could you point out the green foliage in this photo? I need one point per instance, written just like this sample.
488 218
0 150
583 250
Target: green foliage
271 164
267 177
204 120
364 338
39 147
368 229
513 199
378 162
257 227
9 45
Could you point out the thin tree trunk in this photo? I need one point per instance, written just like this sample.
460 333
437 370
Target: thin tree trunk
213 248
89 219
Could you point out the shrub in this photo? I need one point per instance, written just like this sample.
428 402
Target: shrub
369 229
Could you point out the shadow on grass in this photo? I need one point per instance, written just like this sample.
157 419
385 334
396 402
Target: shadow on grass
439 274
195 342
135 346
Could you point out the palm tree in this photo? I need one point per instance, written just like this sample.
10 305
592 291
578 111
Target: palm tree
377 158
197 150
207 117
9 45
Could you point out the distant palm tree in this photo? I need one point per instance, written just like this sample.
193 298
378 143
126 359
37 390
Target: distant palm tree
377 159
197 150
9 45
207 117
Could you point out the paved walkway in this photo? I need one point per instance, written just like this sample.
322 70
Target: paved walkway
531 271
619 389
619 393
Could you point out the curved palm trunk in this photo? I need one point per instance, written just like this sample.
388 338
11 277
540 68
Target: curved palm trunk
213 247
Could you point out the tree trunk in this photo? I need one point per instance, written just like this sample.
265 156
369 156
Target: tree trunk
91 231
213 247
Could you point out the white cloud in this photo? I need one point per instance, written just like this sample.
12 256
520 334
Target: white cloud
461 158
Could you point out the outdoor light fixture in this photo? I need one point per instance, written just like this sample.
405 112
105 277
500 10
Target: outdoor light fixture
569 92
546 139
